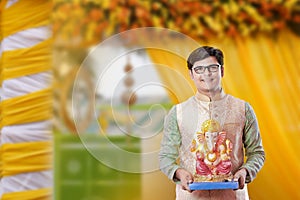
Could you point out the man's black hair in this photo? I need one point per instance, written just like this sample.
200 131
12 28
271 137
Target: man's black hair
202 53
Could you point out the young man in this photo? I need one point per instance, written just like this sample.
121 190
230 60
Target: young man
205 137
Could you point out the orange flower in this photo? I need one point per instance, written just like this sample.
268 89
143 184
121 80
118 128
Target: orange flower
296 18
132 2
95 14
141 12
206 9
156 6
278 25
232 31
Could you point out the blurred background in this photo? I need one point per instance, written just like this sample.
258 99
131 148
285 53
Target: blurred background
118 67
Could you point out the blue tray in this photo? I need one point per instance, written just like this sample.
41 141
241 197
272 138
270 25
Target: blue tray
214 185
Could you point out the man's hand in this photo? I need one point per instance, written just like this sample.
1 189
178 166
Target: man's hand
185 178
240 176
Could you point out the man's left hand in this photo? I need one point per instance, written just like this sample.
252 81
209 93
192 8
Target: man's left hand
240 176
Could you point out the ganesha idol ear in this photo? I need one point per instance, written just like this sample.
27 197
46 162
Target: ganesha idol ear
221 137
200 137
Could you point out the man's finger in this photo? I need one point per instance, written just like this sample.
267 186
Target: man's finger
185 186
241 182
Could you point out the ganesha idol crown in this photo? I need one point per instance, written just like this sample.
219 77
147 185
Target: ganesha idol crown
211 149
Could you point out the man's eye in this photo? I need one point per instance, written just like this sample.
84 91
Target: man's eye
200 68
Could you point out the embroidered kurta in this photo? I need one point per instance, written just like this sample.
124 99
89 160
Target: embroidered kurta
235 117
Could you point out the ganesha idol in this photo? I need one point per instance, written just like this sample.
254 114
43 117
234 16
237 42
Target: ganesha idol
212 153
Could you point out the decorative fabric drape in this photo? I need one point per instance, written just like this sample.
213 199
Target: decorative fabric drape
26 100
264 71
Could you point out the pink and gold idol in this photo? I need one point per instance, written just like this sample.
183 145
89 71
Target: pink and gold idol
211 150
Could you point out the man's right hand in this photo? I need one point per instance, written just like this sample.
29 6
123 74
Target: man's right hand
185 178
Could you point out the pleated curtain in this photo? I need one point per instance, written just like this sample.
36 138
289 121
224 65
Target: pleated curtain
263 70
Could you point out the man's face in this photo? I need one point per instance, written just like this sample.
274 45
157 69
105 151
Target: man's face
207 81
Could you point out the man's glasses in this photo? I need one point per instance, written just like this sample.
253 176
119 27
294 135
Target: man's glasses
210 68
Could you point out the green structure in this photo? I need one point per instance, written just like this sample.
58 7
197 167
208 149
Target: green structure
80 176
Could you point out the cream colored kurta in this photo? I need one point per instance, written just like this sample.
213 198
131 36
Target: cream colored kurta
235 117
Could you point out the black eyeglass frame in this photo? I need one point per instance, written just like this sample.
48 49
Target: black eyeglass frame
210 68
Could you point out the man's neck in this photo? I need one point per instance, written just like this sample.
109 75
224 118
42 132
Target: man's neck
210 96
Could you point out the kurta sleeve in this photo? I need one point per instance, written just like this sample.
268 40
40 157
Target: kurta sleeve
170 145
253 145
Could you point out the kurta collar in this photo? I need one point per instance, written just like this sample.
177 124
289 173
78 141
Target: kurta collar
202 97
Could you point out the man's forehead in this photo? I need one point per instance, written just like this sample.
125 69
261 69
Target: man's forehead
208 60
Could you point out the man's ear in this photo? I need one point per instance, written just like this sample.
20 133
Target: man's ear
191 74
222 71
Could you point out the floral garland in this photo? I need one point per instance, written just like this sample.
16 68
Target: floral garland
88 22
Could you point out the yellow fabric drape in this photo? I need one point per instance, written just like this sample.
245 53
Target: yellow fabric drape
174 79
268 74
41 194
16 18
264 71
28 108
1 162
25 157
22 62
